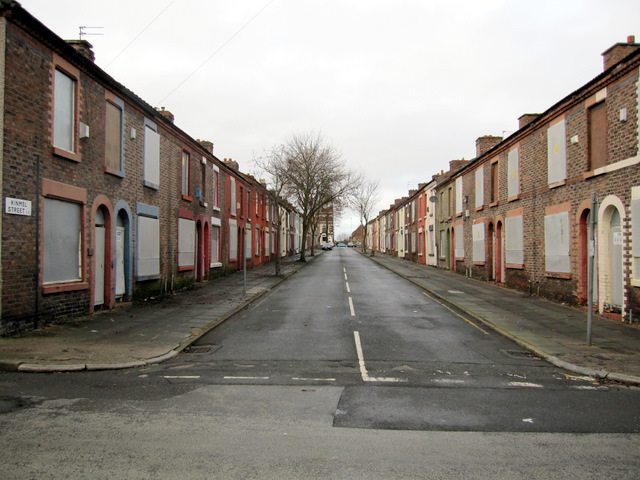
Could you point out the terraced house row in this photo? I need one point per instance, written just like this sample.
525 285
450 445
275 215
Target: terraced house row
519 213
104 196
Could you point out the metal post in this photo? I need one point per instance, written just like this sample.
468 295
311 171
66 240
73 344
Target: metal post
593 221
244 267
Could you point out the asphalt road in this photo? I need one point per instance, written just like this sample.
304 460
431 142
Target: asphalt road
344 371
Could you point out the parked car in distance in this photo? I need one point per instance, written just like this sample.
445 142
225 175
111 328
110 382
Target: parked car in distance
327 246
351 244
341 245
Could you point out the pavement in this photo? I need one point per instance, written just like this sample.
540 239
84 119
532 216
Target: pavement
136 335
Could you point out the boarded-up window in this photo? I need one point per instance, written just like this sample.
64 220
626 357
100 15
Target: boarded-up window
597 136
458 195
556 239
459 246
478 242
215 245
151 155
495 185
514 253
232 203
62 240
113 134
480 187
215 186
443 244
635 231
247 243
513 181
186 242
64 111
233 240
186 169
148 261
556 153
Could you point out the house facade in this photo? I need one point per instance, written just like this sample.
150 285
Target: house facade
105 198
520 214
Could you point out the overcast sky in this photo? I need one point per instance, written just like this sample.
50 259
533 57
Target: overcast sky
400 87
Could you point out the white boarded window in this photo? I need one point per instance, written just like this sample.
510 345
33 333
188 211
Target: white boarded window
186 171
514 252
62 241
148 261
233 240
431 246
478 242
267 242
247 243
257 241
443 244
458 195
215 245
459 246
635 232
233 204
556 243
215 186
513 182
186 242
64 111
556 153
151 155
480 187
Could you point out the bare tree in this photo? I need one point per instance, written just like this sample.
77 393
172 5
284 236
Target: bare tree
315 178
364 201
272 165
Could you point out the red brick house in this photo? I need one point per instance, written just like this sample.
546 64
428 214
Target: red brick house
105 197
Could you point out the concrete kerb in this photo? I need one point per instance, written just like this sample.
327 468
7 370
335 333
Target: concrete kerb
596 374
187 342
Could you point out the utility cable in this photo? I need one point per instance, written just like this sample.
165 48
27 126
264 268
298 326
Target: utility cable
138 35
214 53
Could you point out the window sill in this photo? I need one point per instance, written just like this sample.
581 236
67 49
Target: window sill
60 152
635 282
152 185
514 198
216 209
64 287
187 198
516 266
481 207
145 278
561 183
493 204
186 268
115 173
563 276
480 264
215 265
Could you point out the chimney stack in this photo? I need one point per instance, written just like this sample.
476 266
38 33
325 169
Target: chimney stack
486 143
526 119
84 48
620 50
207 145
231 164
166 114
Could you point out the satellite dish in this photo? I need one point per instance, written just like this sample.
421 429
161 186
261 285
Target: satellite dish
433 199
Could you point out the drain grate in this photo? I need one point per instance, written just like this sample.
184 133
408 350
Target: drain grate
199 349
520 354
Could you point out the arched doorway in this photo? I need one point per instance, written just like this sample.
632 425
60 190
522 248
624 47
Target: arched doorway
610 244
491 240
499 264
122 253
99 256
615 261
452 249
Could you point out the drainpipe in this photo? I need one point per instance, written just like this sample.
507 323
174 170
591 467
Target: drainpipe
36 317
592 254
